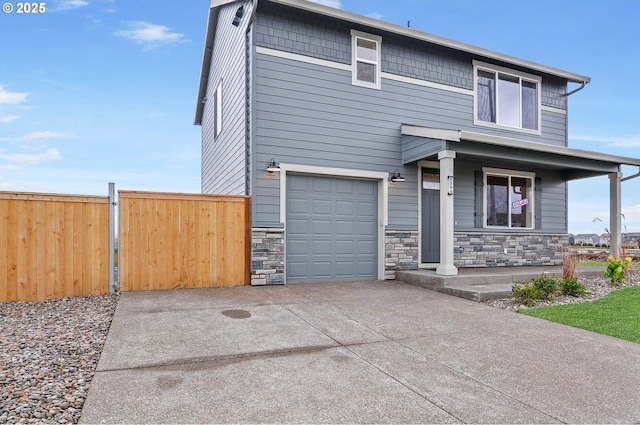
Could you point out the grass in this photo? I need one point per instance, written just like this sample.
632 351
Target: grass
617 314
603 264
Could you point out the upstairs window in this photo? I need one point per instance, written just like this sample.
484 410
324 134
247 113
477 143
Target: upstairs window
507 98
366 59
217 111
509 198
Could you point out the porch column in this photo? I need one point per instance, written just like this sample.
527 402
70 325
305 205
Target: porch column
615 213
446 266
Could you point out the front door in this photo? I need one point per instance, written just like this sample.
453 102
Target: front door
430 215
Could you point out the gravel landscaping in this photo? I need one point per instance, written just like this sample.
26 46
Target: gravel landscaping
597 286
49 352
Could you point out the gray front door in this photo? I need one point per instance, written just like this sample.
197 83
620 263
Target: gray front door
430 215
332 231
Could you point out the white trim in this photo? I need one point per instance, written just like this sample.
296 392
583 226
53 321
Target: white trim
383 199
509 174
217 125
424 83
345 67
458 135
355 35
521 76
554 110
302 58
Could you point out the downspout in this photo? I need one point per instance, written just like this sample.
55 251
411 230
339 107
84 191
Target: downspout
582 85
631 177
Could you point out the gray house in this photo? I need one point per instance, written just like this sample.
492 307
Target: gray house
368 147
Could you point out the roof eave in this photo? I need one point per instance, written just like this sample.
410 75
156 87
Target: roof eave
419 35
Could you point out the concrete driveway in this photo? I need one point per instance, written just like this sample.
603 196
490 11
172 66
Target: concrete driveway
352 352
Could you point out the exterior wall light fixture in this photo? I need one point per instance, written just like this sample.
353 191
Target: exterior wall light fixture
236 19
396 177
273 166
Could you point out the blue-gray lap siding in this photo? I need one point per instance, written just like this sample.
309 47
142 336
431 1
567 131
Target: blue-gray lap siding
312 115
224 159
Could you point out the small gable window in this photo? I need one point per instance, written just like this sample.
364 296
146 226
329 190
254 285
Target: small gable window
366 59
217 105
506 98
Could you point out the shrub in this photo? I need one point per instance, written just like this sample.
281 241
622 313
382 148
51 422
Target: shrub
526 294
546 285
617 269
570 260
572 287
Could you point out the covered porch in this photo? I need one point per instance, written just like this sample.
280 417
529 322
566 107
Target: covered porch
444 147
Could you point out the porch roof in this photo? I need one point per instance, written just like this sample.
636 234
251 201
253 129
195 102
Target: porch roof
425 142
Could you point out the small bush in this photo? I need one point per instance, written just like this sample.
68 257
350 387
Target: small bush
546 285
570 260
526 294
571 287
617 269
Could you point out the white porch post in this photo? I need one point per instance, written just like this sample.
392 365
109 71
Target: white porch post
615 213
446 266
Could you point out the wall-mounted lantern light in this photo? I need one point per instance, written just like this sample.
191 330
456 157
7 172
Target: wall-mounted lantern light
273 166
450 188
236 19
396 177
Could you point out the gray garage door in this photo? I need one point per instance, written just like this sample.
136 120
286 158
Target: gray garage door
331 229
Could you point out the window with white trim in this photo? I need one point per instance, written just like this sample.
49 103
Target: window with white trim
217 111
506 98
366 59
509 198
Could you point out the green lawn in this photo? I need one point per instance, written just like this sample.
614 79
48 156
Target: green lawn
617 314
603 264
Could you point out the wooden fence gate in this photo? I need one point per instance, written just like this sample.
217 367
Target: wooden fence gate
53 246
170 241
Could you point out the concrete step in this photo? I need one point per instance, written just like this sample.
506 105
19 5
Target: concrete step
476 284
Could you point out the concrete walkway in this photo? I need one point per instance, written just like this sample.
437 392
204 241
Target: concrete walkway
356 352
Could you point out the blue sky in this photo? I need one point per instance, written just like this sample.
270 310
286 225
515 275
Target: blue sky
93 91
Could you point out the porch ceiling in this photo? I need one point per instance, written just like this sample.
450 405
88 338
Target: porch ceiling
425 142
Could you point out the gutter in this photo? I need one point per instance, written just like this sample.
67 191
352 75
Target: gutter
583 84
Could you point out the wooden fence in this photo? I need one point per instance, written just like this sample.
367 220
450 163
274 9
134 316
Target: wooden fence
53 246
170 241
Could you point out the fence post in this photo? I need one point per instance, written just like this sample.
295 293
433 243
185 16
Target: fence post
112 244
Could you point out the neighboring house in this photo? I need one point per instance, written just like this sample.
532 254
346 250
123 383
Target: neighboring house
587 239
393 149
605 239
631 237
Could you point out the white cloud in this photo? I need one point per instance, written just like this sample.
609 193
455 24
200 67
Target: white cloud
376 15
62 5
17 159
42 135
6 119
619 141
14 98
150 35
331 3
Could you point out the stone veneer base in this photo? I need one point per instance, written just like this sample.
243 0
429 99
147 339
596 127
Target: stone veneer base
401 251
494 249
267 256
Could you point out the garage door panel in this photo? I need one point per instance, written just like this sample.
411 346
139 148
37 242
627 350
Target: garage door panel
321 227
298 247
298 206
345 208
322 207
344 247
321 247
366 248
332 231
321 185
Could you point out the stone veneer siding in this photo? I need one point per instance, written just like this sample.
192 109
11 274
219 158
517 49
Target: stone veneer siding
267 256
401 252
487 249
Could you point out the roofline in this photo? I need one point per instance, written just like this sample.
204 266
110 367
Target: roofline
460 135
369 22
434 39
